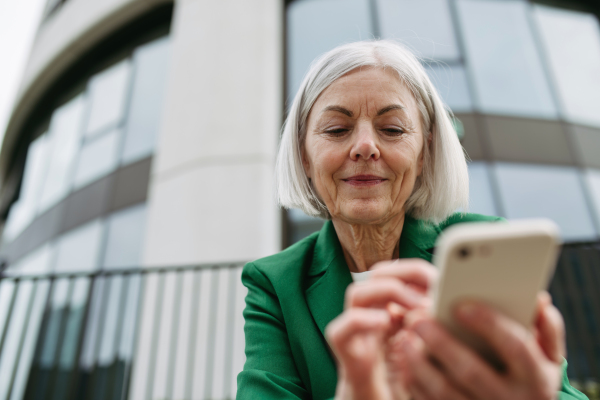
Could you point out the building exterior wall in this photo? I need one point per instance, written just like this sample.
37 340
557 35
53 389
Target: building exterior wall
211 193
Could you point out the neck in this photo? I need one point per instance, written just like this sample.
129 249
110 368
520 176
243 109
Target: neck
366 245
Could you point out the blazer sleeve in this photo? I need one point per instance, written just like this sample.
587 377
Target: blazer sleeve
568 392
269 371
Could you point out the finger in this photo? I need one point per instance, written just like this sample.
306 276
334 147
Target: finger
378 293
512 342
463 365
551 333
352 324
415 272
422 376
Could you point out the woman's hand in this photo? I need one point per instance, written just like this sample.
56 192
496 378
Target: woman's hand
362 337
435 365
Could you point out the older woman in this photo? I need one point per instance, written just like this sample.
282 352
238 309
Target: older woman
369 146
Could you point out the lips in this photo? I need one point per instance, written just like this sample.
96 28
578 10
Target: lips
364 180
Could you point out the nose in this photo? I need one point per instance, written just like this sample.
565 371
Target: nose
365 144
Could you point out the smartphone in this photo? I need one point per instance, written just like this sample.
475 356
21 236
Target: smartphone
503 264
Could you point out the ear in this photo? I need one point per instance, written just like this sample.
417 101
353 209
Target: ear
305 163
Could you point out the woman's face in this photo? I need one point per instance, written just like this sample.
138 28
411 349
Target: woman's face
363 147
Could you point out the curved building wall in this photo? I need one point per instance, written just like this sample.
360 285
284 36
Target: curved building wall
522 79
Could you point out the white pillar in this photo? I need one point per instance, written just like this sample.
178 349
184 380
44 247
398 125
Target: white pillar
211 196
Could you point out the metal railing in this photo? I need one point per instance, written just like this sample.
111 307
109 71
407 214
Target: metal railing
177 333
140 333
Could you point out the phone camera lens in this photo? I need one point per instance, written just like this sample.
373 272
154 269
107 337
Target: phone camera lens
464 252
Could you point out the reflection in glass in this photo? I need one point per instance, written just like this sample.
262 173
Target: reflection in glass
23 210
64 138
593 181
316 26
93 325
108 96
31 336
78 249
572 43
49 341
36 262
424 25
301 225
481 200
13 342
126 341
148 91
7 289
70 336
530 191
58 306
105 365
125 237
504 60
451 83
97 157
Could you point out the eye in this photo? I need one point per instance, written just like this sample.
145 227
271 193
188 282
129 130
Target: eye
392 131
336 131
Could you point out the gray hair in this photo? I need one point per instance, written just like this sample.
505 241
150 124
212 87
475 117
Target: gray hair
442 187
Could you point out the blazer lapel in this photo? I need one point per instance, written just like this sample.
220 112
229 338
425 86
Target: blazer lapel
328 278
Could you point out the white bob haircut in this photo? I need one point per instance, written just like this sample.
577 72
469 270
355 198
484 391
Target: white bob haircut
442 187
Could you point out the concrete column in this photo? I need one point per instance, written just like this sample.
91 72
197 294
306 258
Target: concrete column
211 196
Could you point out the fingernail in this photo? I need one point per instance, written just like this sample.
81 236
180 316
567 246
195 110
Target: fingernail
467 310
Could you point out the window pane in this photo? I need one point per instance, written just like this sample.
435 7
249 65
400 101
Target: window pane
70 336
16 330
97 158
31 337
424 25
593 182
505 62
530 191
451 83
572 43
316 26
301 225
78 250
481 200
108 94
151 63
58 304
36 262
23 211
7 289
64 137
93 326
125 237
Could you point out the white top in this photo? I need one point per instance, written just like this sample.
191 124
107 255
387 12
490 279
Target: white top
360 276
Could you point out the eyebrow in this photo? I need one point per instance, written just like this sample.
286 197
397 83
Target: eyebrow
349 113
340 109
390 108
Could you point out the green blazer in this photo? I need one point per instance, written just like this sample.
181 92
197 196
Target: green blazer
294 294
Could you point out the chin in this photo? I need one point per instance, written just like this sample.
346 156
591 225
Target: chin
364 213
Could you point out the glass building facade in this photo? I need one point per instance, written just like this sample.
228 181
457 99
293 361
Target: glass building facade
89 309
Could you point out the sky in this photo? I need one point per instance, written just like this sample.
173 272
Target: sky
18 23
